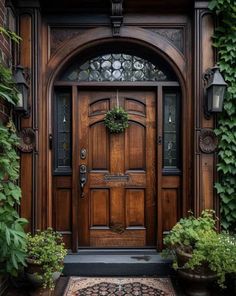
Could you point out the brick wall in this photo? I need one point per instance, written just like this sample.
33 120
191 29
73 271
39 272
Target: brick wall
5 43
7 21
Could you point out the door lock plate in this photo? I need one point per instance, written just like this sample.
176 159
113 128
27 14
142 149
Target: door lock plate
83 153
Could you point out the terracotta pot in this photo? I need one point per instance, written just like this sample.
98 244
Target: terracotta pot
196 281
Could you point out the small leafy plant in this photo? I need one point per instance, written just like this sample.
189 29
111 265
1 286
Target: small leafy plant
188 231
199 238
47 250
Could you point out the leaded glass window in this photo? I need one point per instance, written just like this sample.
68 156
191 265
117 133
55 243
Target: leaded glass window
63 132
171 132
115 67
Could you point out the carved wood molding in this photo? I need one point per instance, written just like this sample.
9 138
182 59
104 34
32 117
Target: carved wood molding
58 36
117 228
174 35
27 140
116 17
208 141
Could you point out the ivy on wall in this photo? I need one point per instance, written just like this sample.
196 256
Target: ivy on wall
225 43
8 91
12 235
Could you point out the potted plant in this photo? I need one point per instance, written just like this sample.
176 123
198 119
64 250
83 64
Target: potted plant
46 252
200 254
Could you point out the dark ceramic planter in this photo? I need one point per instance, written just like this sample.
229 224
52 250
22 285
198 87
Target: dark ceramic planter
231 283
195 282
33 272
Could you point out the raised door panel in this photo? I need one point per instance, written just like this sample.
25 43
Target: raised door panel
135 147
62 207
99 209
135 208
99 147
170 201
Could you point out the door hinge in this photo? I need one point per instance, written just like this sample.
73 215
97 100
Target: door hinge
159 140
50 139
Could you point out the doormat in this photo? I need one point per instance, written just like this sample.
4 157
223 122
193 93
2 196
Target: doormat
105 286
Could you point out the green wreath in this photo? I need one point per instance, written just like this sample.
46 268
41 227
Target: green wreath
116 120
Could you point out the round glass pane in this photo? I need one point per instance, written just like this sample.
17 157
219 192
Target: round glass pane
94 76
116 65
138 75
83 75
116 74
116 56
160 75
106 65
106 75
106 57
95 65
138 65
127 56
127 76
127 65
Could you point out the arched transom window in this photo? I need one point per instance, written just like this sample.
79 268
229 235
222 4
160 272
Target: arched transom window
115 67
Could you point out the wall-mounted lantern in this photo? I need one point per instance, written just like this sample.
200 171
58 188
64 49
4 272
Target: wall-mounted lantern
215 91
23 89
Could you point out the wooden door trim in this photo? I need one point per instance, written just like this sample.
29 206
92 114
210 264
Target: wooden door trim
117 83
75 175
159 163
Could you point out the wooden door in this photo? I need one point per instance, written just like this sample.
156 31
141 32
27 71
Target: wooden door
117 207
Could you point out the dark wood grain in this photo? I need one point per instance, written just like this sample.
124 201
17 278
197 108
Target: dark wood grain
127 202
92 34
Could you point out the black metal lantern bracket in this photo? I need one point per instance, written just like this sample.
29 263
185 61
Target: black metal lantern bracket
213 81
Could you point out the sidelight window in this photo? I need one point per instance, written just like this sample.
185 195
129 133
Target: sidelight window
171 158
62 131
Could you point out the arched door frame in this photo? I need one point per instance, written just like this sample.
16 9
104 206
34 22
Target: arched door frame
135 37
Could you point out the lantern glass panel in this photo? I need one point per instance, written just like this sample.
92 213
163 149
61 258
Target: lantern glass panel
218 97
23 97
20 100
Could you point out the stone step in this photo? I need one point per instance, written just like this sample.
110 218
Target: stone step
117 263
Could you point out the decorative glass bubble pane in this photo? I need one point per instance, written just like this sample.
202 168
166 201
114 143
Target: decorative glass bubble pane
171 126
63 132
115 67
